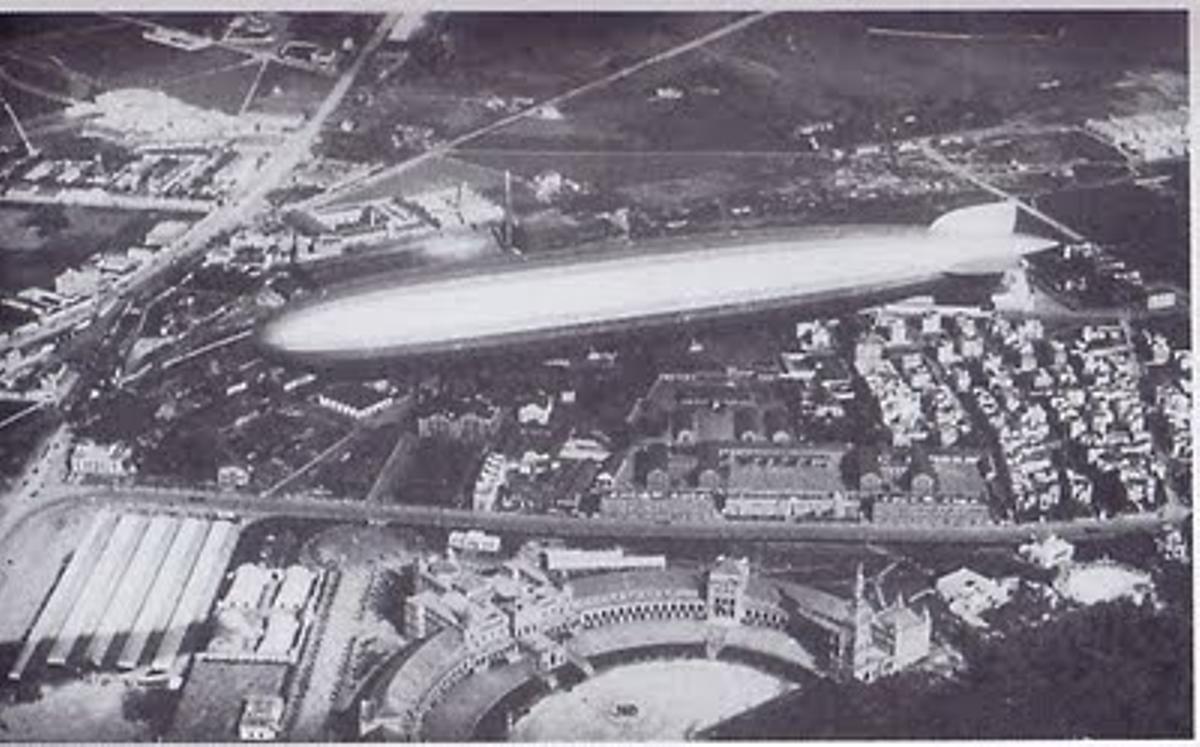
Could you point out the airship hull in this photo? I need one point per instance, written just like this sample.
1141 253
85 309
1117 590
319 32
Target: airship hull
571 296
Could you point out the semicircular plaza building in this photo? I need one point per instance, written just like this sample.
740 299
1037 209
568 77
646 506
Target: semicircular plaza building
481 638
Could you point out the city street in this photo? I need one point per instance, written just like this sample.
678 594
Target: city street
208 502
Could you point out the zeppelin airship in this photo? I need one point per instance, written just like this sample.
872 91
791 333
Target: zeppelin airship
565 297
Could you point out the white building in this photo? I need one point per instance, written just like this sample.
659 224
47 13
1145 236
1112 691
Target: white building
473 540
296 589
79 282
303 380
251 585
279 635
491 479
1050 552
579 448
354 400
233 476
262 718
573 560
89 458
537 413
970 594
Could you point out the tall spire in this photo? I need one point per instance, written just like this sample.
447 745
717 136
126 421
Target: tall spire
860 584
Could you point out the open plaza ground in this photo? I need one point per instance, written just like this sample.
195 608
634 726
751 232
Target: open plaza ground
648 701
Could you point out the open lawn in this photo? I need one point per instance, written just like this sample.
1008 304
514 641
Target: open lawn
39 78
430 175
612 169
350 472
331 29
209 24
755 88
223 89
118 57
719 108
831 64
214 696
346 546
35 245
19 439
90 710
507 54
33 25
461 60
286 90
30 107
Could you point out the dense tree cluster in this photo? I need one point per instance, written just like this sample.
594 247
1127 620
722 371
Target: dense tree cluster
1111 671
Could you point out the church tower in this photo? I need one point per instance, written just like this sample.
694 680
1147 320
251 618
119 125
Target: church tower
726 592
864 654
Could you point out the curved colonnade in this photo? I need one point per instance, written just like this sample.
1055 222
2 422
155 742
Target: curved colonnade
439 691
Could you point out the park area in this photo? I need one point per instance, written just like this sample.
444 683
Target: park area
39 242
77 57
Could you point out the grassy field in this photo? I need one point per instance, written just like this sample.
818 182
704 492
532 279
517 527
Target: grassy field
350 473
721 109
753 89
286 90
38 78
723 128
753 185
28 25
213 698
828 62
118 57
331 29
76 711
18 441
33 255
617 170
508 54
345 546
28 106
223 89
460 60
212 24
432 174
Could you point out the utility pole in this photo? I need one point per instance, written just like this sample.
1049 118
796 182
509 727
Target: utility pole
32 151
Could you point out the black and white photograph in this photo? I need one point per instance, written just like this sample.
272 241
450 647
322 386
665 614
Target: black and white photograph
799 372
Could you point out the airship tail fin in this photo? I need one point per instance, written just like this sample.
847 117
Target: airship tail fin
992 219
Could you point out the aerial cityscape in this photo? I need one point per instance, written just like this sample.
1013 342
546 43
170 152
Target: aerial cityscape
579 376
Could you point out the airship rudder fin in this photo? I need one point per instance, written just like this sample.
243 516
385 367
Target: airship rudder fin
991 219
